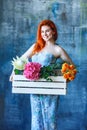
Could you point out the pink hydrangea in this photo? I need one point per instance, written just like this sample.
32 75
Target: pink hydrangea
32 70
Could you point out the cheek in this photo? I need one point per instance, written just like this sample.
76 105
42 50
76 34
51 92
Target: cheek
50 34
41 34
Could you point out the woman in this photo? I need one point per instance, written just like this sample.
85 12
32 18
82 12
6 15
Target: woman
45 51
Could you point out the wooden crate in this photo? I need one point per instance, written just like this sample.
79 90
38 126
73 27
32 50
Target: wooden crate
22 85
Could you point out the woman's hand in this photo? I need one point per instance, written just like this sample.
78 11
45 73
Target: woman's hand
11 76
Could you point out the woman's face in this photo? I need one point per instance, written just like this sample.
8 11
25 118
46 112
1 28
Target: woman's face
46 33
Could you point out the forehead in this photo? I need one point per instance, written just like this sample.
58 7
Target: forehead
45 27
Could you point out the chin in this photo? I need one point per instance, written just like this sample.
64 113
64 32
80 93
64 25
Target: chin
46 40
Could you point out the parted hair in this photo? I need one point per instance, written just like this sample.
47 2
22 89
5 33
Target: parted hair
40 43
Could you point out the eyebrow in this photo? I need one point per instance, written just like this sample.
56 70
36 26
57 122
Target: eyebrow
46 29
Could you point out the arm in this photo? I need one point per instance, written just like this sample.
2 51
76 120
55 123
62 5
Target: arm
28 53
64 56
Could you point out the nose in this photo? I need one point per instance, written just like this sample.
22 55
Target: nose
45 33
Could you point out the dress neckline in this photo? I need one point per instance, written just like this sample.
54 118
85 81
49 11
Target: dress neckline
45 52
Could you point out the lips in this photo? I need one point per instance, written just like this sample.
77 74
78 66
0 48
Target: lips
45 37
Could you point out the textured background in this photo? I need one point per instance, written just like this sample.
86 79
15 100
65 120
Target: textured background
18 25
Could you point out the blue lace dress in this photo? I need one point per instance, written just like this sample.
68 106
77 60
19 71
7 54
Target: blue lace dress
44 107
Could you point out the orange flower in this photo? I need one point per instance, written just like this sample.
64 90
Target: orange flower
74 71
63 70
68 75
72 67
68 71
72 78
65 76
65 66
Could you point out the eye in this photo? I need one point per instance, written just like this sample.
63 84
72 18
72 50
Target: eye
48 31
42 31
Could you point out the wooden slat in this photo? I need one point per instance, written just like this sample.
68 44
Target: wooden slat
22 85
39 91
54 78
39 84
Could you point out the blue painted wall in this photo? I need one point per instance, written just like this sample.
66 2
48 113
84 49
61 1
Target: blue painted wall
18 25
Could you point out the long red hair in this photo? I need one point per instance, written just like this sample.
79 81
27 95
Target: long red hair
40 43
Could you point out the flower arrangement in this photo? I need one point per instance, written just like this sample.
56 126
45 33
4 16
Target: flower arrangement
34 71
68 71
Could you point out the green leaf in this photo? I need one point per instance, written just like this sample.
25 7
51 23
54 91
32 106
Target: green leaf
16 71
49 79
50 70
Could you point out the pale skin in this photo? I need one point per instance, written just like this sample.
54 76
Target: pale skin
50 47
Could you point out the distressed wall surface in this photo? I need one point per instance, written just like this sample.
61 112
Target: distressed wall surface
18 25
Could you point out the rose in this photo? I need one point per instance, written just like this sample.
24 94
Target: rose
32 70
68 71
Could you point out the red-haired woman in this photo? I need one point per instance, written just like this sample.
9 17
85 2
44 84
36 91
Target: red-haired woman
45 51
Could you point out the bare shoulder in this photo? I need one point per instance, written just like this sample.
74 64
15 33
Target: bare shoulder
58 49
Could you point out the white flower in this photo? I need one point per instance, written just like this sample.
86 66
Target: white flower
19 63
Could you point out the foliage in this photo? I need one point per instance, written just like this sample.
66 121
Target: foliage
50 70
34 71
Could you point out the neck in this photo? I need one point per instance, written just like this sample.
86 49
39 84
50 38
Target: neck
51 42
